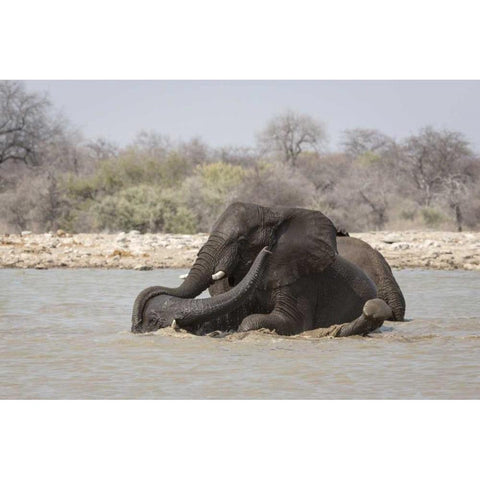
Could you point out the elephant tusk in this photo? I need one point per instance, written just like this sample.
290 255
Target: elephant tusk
185 275
174 324
219 275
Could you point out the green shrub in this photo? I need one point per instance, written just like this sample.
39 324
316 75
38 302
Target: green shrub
144 208
220 178
408 214
179 220
212 187
432 216
120 173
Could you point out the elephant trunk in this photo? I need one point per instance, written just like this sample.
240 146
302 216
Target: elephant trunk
397 304
199 279
197 310
392 295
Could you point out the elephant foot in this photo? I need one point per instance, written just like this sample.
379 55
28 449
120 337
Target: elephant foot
375 312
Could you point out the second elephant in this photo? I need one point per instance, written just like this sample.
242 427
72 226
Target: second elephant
373 263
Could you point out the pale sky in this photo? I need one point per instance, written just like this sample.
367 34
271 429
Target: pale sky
230 112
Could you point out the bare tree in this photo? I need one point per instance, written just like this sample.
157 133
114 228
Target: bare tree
471 205
365 191
195 151
16 208
51 205
325 174
456 191
25 123
101 149
289 134
373 187
235 155
151 143
429 159
276 184
361 141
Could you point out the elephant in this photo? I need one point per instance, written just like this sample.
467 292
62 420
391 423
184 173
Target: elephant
276 268
373 263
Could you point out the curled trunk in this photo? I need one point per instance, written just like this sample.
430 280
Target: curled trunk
162 310
199 278
389 291
397 304
197 310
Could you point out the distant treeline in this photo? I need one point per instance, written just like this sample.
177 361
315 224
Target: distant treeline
51 177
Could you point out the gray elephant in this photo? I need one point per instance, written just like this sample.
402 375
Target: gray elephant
276 268
373 263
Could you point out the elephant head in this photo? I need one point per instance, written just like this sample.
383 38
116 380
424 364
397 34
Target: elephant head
303 243
165 310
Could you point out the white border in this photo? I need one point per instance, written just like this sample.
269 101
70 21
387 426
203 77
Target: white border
253 39
239 439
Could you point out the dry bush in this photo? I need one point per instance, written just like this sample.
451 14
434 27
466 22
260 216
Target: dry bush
276 184
287 135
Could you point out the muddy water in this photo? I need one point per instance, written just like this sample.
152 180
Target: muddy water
65 334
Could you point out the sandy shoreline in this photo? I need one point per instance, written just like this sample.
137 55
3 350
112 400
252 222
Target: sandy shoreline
410 249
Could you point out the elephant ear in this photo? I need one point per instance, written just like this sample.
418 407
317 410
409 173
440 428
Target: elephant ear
305 244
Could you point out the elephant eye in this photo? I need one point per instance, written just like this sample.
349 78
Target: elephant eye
242 241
